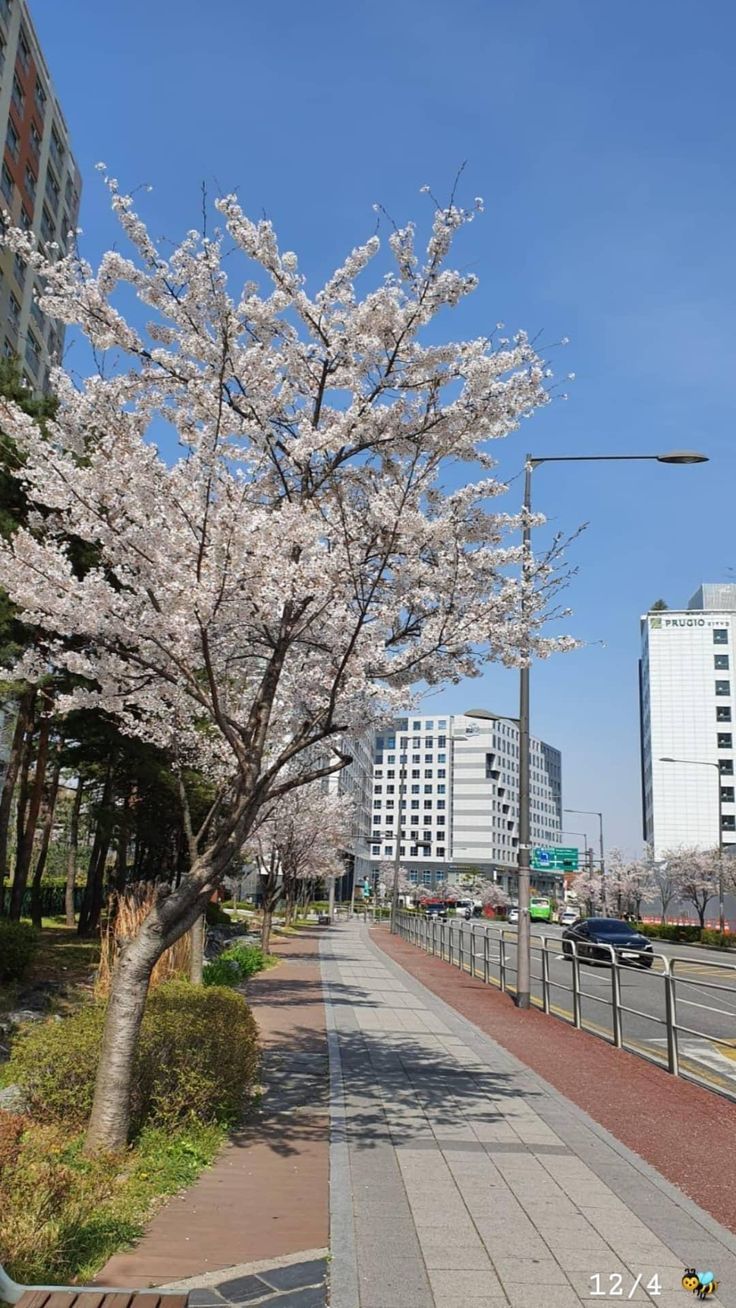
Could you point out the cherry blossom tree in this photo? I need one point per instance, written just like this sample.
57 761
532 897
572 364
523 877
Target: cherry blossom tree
301 565
590 892
298 841
695 874
387 875
628 883
494 896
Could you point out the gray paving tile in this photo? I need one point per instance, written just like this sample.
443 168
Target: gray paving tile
243 1289
297 1274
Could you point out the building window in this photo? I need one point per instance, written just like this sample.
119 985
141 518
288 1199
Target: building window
720 662
440 819
725 740
377 803
727 794
24 51
427 803
30 181
720 635
728 822
440 854
441 790
35 140
56 149
441 772
52 190
428 790
40 98
427 836
6 185
12 139
725 767
14 309
723 688
375 849
441 758
440 803
47 225
441 742
389 772
26 221
19 268
415 774
8 349
426 878
388 849
415 803
723 714
390 790
17 96
427 772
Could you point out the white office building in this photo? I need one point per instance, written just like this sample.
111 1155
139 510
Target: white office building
460 800
687 708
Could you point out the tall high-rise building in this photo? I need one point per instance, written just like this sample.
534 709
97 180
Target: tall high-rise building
460 800
40 188
687 708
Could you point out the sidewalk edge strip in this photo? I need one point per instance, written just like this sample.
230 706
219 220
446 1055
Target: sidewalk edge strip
343 1270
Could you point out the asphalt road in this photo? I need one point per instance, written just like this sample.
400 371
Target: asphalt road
705 998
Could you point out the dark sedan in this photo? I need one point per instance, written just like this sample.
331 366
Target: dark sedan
596 936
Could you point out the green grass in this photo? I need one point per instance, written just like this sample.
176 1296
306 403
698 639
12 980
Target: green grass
62 1218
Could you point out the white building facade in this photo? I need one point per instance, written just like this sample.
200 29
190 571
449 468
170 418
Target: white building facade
687 714
459 797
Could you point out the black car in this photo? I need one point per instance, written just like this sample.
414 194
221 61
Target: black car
593 935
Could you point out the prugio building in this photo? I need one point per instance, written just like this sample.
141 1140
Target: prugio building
687 722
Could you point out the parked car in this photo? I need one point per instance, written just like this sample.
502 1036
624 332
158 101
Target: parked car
567 916
594 935
513 915
540 909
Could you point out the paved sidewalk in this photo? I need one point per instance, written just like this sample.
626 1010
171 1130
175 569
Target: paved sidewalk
266 1196
461 1179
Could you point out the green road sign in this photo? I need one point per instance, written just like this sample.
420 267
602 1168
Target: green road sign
555 859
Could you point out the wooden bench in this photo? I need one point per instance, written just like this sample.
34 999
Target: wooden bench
91 1296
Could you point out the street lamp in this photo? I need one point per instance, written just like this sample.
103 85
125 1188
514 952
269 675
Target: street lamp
523 976
592 812
708 763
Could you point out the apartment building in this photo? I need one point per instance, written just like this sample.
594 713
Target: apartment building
40 188
687 722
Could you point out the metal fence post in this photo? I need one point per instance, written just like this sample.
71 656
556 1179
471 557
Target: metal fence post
486 968
670 1001
616 1000
545 976
502 961
575 985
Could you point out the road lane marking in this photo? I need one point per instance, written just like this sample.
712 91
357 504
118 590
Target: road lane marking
727 1012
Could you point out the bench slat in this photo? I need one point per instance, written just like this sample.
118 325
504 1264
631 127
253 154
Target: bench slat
33 1299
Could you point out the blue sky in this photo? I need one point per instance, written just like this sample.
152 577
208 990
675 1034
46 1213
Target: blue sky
600 136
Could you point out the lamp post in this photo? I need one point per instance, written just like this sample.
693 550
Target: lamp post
592 812
523 975
708 763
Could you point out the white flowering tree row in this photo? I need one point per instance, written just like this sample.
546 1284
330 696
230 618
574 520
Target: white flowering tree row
325 541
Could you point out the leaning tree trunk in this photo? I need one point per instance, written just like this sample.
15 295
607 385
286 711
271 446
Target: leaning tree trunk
48 822
171 916
71 862
270 897
23 725
25 851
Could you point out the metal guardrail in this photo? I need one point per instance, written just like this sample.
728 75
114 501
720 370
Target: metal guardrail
490 957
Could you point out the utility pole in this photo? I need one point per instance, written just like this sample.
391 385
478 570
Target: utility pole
397 850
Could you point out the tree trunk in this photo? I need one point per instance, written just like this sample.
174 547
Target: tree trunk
48 822
121 851
25 851
196 962
22 726
91 908
71 862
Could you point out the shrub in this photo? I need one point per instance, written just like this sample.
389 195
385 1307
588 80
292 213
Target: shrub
221 972
709 936
670 931
18 943
248 959
196 1058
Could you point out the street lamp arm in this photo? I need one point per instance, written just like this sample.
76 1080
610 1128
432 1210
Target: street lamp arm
675 456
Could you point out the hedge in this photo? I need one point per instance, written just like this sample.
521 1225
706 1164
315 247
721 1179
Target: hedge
197 1058
690 935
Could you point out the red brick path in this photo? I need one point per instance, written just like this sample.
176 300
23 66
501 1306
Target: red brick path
267 1193
687 1133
